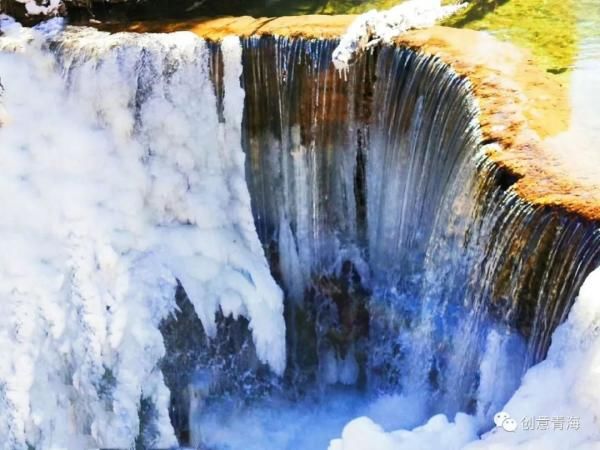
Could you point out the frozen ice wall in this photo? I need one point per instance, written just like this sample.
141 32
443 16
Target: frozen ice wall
120 177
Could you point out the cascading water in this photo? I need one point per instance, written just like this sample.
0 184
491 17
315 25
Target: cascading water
412 272
379 210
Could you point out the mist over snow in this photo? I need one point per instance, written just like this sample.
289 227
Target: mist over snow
118 179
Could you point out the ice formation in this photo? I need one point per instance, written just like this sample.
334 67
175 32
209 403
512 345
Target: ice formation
33 9
374 27
561 389
120 178
49 8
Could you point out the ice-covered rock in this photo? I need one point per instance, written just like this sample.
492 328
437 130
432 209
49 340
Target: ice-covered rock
374 27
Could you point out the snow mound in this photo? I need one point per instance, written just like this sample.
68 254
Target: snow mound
375 27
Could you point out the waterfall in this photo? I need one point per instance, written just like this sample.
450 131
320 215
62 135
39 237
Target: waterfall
563 386
191 224
376 188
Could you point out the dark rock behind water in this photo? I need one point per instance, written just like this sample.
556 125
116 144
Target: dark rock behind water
81 11
123 11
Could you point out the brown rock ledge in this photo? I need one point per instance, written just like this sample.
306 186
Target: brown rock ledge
520 104
310 26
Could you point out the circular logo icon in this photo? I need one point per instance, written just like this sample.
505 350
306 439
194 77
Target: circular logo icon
509 425
500 417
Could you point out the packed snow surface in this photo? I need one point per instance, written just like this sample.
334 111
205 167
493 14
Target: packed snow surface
119 178
35 9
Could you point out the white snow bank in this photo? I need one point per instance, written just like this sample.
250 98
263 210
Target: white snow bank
117 179
374 27
436 434
34 9
562 389
557 406
47 8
